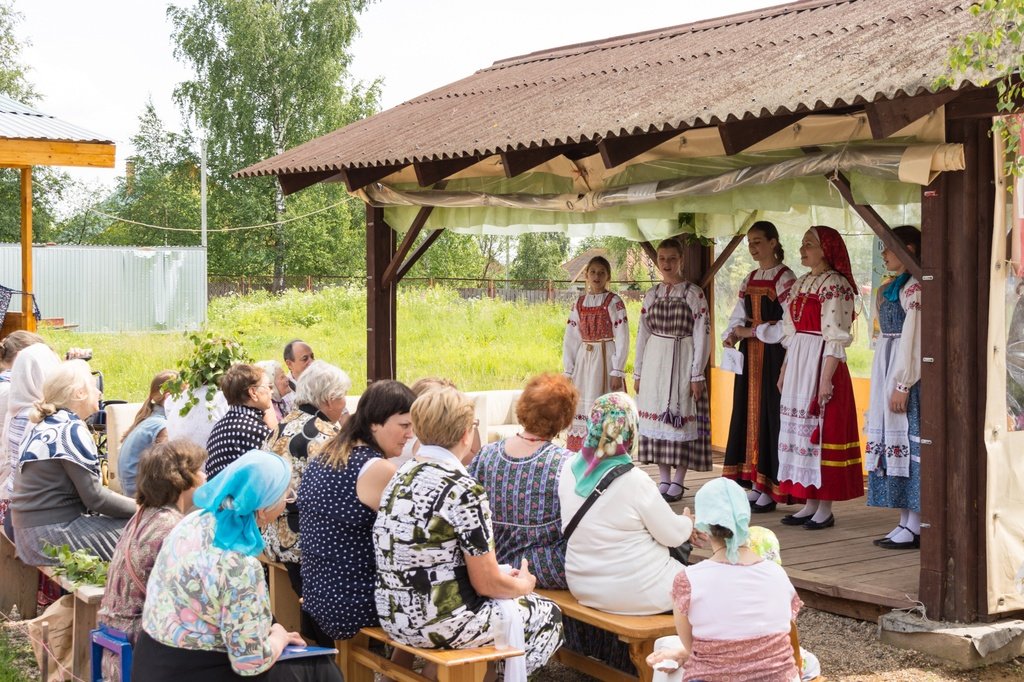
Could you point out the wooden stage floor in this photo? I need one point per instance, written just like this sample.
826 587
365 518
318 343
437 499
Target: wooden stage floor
837 569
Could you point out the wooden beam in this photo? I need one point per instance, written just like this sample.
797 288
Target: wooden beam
651 251
618 150
358 178
739 135
391 273
381 300
522 160
430 172
720 261
420 250
27 308
293 182
887 116
15 153
980 103
877 225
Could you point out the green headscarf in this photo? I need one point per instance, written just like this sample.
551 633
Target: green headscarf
611 440
721 502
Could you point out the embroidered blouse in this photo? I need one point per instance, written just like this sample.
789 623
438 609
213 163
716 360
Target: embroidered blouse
906 367
694 297
620 332
838 304
200 597
765 332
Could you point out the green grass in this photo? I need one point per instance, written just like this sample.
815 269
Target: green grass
480 343
17 662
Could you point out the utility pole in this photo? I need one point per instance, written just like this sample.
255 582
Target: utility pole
202 188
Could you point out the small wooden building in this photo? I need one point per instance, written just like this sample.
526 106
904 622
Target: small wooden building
827 103
28 138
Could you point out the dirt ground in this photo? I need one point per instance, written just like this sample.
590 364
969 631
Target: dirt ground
850 651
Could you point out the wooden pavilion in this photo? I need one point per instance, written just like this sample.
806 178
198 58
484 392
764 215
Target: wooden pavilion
31 138
723 117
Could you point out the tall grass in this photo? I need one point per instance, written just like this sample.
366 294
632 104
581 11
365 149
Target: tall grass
478 343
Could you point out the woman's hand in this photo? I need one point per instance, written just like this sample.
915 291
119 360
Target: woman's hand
730 341
527 580
743 332
678 656
280 638
782 376
617 384
696 389
898 401
824 392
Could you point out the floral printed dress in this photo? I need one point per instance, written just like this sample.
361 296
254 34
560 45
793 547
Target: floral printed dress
431 513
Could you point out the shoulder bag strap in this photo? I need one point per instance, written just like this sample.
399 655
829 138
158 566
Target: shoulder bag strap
592 498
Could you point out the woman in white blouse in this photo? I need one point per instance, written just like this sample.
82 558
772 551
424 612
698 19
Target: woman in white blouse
595 346
894 413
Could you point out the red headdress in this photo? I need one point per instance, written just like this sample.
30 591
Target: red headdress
835 252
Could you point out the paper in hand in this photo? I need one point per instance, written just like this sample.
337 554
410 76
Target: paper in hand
731 361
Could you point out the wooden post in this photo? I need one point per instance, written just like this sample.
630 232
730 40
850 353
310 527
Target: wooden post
380 298
956 233
27 309
551 291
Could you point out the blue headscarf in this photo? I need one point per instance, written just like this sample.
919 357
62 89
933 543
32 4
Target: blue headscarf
254 481
721 502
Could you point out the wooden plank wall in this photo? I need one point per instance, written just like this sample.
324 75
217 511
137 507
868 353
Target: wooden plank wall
956 232
381 301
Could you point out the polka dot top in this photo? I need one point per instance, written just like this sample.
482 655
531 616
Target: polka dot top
240 430
338 566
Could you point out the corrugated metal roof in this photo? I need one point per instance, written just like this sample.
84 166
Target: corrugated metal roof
21 122
805 56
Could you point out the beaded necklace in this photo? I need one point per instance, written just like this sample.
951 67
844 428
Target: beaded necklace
801 299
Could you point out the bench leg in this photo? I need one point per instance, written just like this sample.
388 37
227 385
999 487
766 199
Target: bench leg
467 672
284 601
81 641
638 653
19 583
350 669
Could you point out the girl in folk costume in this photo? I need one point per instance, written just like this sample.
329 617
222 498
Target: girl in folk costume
672 349
595 347
894 413
752 452
819 447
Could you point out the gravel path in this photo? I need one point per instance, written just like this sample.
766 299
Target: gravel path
850 651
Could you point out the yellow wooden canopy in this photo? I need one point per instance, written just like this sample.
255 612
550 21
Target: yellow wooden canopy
28 138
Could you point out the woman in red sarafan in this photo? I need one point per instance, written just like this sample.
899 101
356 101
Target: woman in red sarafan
819 445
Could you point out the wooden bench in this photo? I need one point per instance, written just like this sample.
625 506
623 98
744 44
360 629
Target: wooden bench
638 632
358 663
284 603
19 584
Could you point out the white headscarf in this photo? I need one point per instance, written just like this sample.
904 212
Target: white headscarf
27 375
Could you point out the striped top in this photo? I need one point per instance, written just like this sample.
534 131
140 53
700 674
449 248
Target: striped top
525 511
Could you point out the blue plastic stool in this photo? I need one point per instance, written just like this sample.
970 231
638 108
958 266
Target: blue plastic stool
114 640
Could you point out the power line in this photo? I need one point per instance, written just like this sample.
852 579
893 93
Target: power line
217 229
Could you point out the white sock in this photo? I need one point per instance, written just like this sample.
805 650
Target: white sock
753 495
823 512
903 536
913 523
764 499
810 507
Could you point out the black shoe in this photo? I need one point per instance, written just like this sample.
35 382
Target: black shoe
794 520
909 544
756 508
673 498
879 541
816 525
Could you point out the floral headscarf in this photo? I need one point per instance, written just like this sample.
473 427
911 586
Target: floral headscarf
611 440
836 255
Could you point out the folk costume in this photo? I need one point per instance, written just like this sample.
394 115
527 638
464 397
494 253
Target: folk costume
672 349
752 451
819 446
894 444
594 349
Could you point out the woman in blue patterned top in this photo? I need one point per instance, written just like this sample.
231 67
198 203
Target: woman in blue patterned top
520 476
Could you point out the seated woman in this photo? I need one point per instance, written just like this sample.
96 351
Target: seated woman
150 426
618 558
207 614
439 585
418 388
168 475
338 501
529 526
249 421
28 371
280 386
733 612
59 497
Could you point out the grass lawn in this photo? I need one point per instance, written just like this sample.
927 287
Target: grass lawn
479 343
17 662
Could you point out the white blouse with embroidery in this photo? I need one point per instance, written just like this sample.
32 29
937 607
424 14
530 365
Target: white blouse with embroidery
701 325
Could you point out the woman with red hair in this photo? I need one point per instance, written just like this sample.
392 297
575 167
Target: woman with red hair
819 445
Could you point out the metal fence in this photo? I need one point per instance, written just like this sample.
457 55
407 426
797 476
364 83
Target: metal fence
522 291
113 289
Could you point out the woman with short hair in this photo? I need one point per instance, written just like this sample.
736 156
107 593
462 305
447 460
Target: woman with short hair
207 614
168 475
439 585
59 496
338 501
279 387
519 475
249 420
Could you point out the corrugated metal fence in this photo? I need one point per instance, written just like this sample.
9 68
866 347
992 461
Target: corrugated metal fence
114 289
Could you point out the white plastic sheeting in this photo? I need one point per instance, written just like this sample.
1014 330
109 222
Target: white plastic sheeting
114 289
